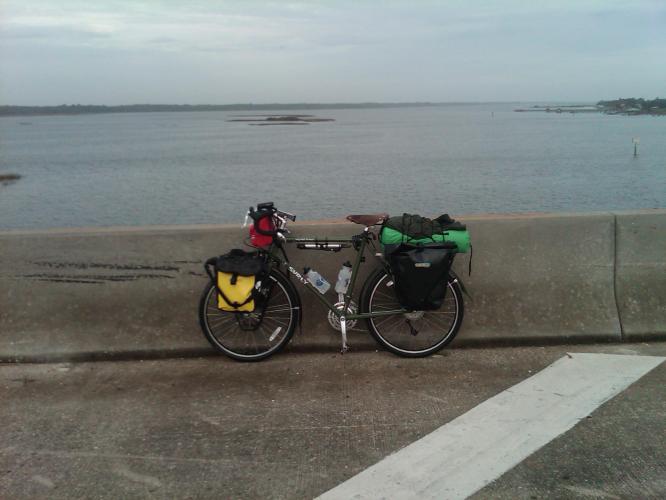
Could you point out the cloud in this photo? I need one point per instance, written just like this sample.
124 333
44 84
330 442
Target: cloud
41 34
251 50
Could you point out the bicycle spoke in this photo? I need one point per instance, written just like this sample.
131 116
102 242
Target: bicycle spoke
398 323
281 304
222 317
218 322
387 295
383 320
439 323
232 332
390 325
275 322
436 325
280 308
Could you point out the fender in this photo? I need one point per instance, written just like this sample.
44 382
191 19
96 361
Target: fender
456 278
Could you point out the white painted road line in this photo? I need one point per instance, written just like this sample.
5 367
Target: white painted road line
476 448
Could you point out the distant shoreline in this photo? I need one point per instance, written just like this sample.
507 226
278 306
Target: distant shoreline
620 106
81 109
628 107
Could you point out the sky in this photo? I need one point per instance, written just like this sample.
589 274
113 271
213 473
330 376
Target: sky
222 52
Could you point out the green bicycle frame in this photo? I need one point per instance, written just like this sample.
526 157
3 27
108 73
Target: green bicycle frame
280 260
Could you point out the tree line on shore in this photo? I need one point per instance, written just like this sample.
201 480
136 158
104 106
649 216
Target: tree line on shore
633 105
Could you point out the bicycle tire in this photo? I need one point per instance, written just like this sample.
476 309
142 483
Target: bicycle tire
416 334
268 332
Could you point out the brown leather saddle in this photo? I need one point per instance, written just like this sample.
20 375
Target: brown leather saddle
368 219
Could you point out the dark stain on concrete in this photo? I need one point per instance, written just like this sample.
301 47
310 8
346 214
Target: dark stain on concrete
67 280
132 272
96 278
97 265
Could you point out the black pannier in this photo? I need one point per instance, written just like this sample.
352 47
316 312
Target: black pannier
237 275
420 273
240 262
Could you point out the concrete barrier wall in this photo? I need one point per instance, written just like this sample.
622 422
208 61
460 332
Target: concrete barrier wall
542 277
641 274
136 290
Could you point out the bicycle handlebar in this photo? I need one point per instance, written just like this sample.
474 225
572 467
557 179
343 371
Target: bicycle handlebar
286 215
268 209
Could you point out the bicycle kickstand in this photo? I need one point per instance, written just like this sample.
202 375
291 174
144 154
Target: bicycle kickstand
343 331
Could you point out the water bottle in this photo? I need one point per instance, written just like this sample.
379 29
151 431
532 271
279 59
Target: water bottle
317 280
344 275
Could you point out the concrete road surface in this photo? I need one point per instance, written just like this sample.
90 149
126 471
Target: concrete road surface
299 424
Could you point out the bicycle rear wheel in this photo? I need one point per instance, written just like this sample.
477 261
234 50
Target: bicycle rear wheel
414 334
251 336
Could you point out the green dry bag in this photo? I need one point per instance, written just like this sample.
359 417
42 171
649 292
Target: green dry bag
414 229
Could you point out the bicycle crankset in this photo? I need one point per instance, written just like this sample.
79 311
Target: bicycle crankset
334 319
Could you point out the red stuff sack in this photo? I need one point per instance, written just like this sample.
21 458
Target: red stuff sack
264 223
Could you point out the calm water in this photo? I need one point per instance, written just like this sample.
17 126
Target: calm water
178 168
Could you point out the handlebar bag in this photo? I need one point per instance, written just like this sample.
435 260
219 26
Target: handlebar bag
237 273
421 275
411 228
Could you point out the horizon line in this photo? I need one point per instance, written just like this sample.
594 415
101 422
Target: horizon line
313 103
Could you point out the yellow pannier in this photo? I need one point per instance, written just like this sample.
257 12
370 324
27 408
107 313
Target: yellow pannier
236 291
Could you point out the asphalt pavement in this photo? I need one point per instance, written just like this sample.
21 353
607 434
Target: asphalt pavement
301 423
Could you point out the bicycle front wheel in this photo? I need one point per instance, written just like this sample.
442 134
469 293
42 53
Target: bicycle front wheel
413 334
251 336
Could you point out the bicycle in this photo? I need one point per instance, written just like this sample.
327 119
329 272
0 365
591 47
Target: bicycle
252 336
